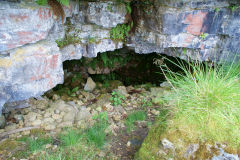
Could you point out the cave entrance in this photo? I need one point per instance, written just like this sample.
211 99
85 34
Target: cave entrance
108 69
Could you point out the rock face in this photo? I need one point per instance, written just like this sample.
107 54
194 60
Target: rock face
31 60
204 30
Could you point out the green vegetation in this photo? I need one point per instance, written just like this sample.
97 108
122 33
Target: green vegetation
68 40
96 134
72 137
108 60
217 9
92 40
150 146
127 5
73 143
45 2
146 103
133 117
109 7
204 35
116 98
233 7
120 32
71 93
37 143
205 106
207 101
76 77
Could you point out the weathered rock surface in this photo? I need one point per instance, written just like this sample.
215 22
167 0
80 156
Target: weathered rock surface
204 30
31 61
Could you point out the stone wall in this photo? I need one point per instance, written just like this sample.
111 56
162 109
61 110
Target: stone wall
31 61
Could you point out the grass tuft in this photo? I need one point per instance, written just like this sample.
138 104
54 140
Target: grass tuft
96 134
207 101
37 143
133 117
71 138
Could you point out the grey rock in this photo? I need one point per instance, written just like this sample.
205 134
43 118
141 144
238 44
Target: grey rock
8 107
192 148
225 156
106 14
83 115
122 90
167 144
71 52
90 85
31 70
22 24
195 30
166 85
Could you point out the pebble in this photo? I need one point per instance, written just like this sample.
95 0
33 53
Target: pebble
128 143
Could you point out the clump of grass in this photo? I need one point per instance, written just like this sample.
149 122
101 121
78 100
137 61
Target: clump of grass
71 138
133 117
96 134
81 150
37 143
207 101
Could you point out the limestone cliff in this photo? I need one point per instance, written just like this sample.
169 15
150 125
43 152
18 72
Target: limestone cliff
31 60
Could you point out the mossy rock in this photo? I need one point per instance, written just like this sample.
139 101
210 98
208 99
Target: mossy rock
185 146
113 84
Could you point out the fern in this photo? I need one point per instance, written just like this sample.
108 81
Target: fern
120 32
45 2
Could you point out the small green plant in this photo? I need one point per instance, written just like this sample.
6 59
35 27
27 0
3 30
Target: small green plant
204 35
92 40
72 92
133 117
101 117
233 7
45 2
116 98
71 138
93 63
96 134
128 7
185 51
109 7
77 76
68 40
106 84
36 143
217 9
120 32
146 103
